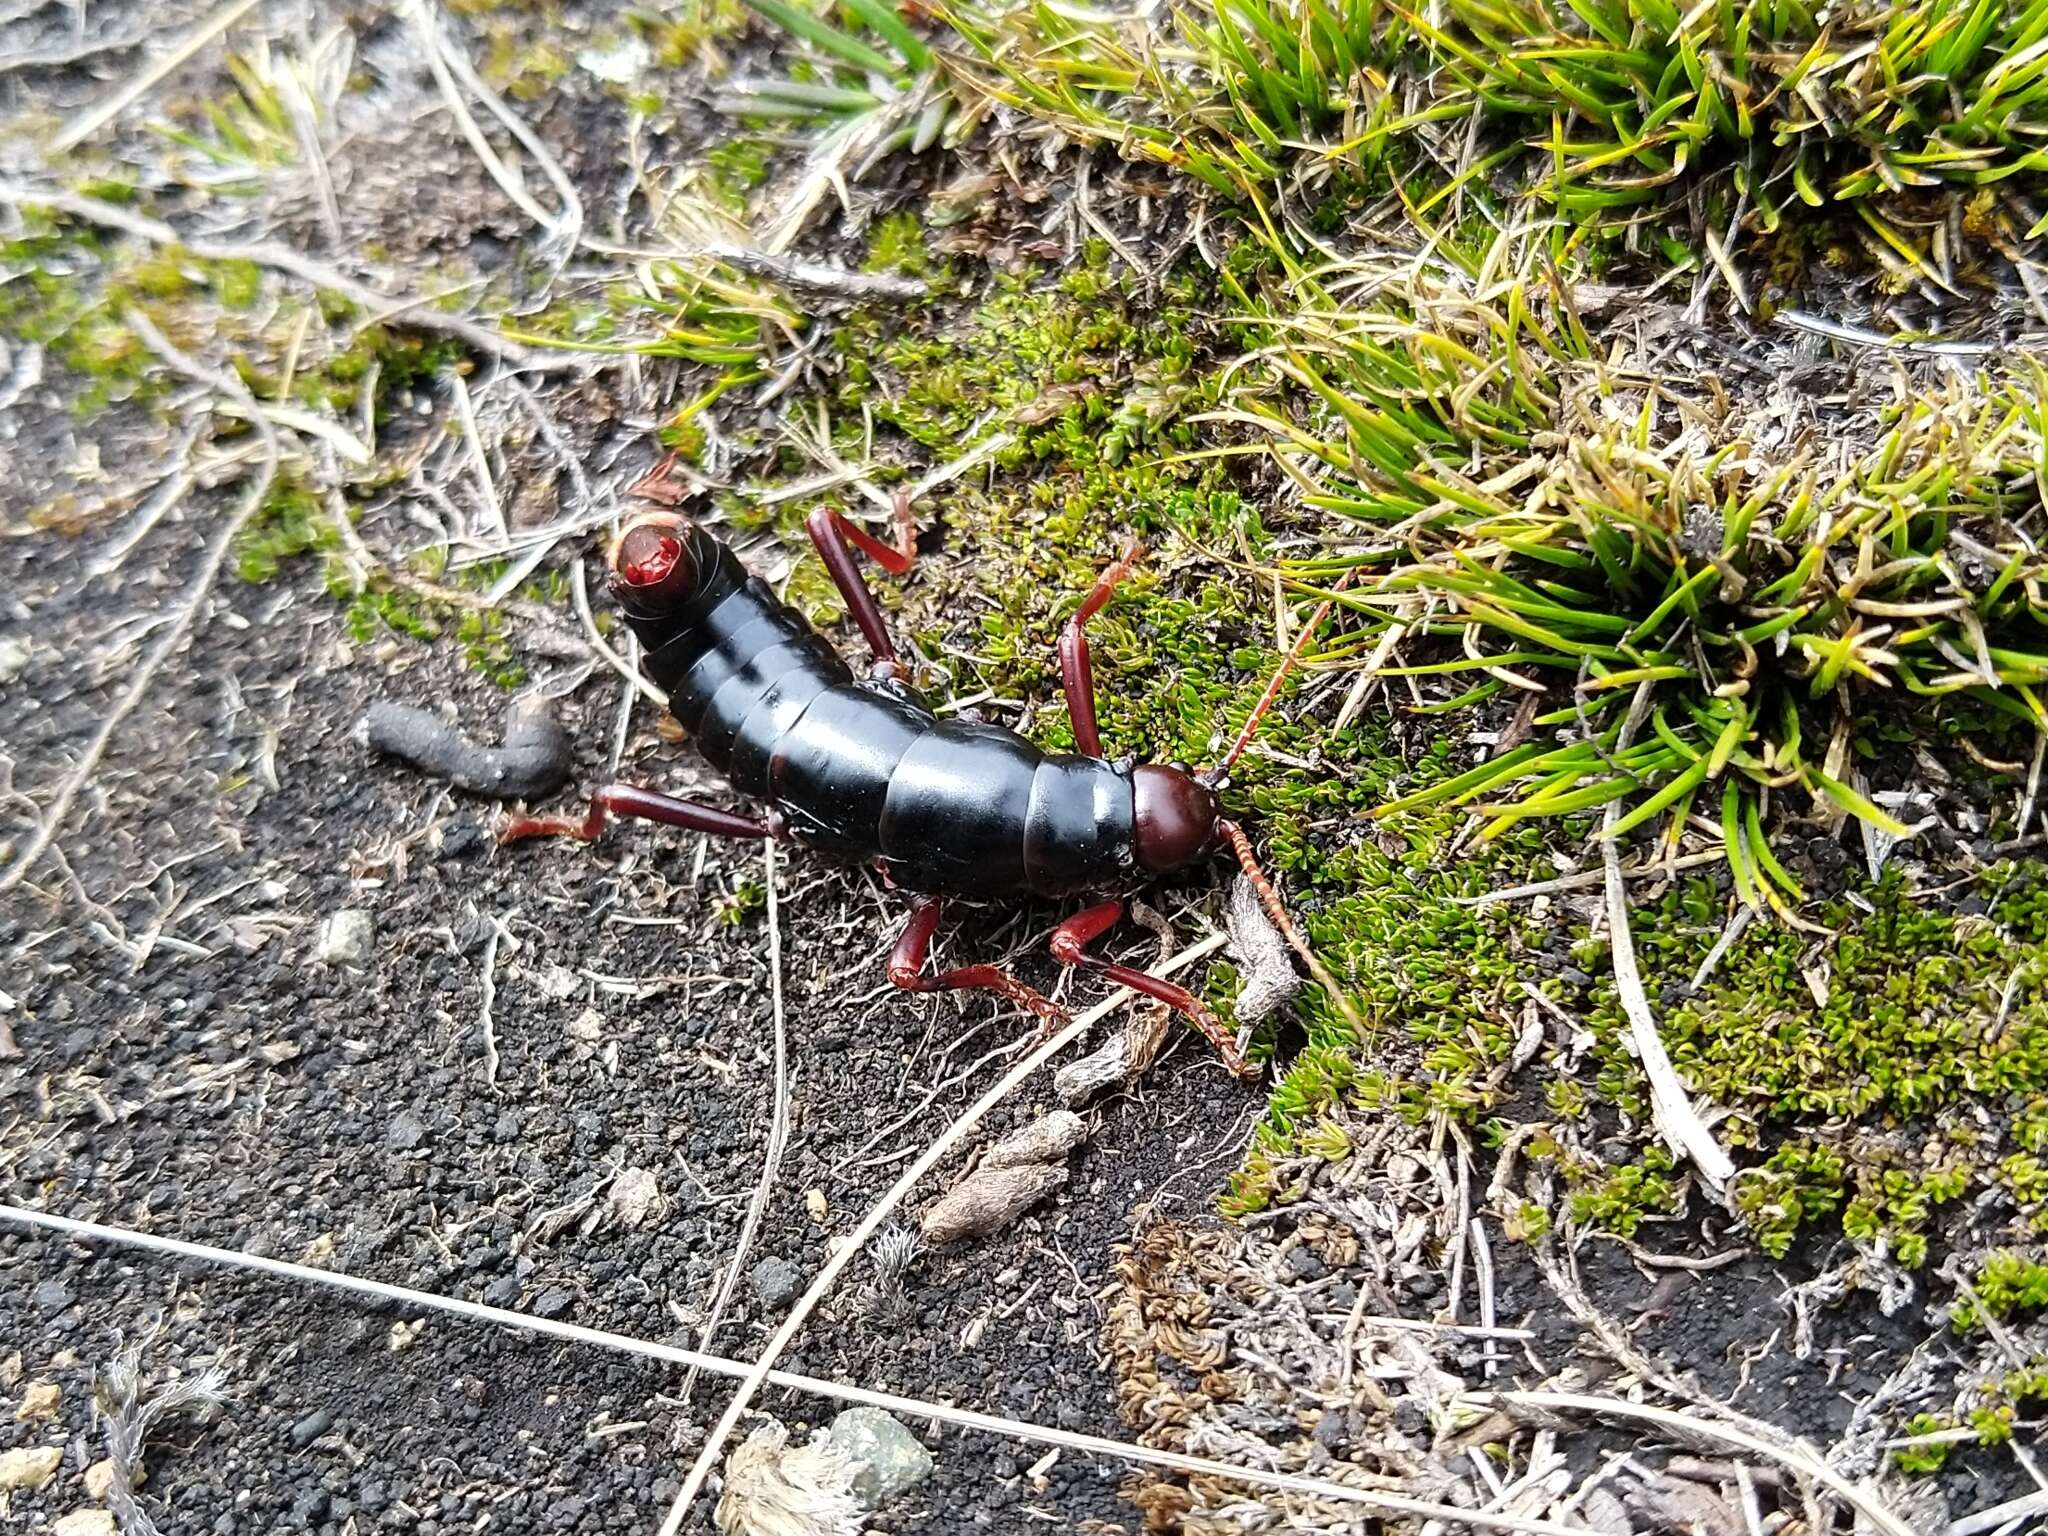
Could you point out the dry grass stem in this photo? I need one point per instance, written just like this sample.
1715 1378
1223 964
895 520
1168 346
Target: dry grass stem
778 1125
888 1402
96 117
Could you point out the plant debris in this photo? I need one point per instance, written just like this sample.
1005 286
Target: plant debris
773 1488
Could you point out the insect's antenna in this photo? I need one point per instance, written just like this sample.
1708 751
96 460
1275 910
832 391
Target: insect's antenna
1277 913
1287 665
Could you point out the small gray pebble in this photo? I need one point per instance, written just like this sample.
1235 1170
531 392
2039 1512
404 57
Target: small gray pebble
52 1297
312 1427
1305 1264
502 1292
552 1302
406 1131
775 1281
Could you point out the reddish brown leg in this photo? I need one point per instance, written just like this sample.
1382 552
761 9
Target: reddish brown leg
906 965
836 540
1077 672
635 804
1069 942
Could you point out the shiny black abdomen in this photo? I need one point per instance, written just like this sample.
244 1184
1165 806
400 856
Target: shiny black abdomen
866 771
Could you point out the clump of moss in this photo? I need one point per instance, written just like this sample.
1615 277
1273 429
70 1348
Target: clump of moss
1084 381
897 245
1922 1460
690 33
2006 1285
290 523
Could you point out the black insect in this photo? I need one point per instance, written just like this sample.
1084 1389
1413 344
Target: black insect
862 769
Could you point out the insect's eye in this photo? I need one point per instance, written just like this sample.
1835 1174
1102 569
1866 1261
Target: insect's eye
651 568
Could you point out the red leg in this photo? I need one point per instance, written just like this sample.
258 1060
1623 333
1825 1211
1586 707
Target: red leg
836 539
1077 672
636 804
906 965
1069 942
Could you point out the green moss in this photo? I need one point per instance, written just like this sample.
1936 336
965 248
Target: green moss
1920 1460
291 522
734 169
1847 1065
897 245
747 898
2006 1285
689 33
524 69
487 650
1616 1199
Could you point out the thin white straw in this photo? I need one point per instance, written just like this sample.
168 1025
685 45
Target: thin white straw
904 1407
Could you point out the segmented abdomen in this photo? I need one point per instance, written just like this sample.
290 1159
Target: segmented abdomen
866 772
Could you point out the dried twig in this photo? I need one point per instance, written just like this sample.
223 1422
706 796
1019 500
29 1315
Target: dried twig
880 1212
2026 815
1677 1121
1999 1516
1585 880
778 1125
790 271
479 461
447 63
889 1402
580 590
181 617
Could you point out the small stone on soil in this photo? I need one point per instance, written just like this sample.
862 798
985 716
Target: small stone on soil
891 1458
39 1400
502 1292
99 1479
406 1131
553 1302
312 1427
31 1466
86 1522
51 1297
346 937
775 1281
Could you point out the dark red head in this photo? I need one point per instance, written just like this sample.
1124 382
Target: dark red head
652 572
1175 817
